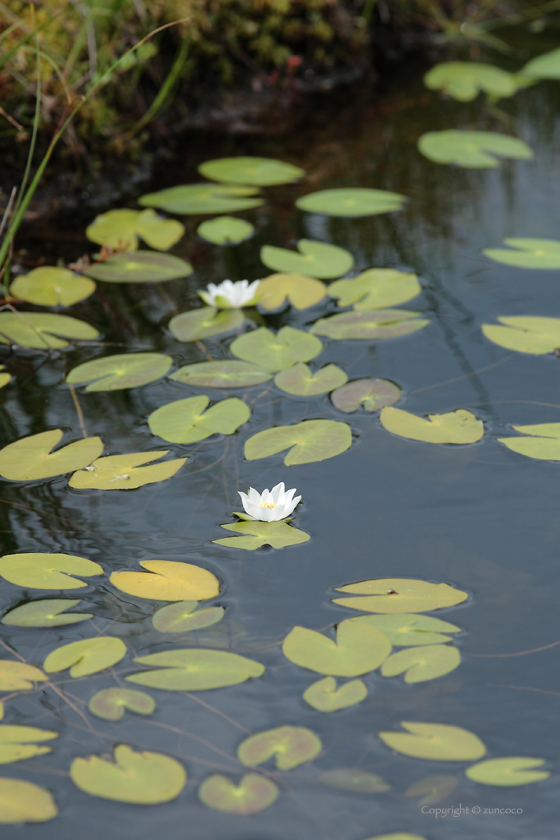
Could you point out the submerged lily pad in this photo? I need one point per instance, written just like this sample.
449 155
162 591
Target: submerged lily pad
125 472
254 793
184 616
296 289
372 394
111 703
203 199
47 571
16 676
141 778
187 421
435 741
545 66
312 440
543 441
125 370
374 324
290 746
351 202
400 595
257 171
168 581
195 670
122 228
354 781
316 259
18 742
301 382
274 352
256 534
52 286
419 664
222 374
525 334
30 458
406 629
464 80
205 322
140 267
43 330
432 789
44 613
457 427
507 772
357 650
472 149
377 288
324 696
87 656
527 253
225 230
25 802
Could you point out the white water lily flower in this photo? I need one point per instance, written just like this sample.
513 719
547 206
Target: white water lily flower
230 295
270 505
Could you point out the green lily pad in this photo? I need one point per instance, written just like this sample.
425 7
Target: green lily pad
52 286
45 613
400 595
87 656
203 199
375 324
16 676
407 629
111 703
184 616
419 664
351 202
301 382
457 427
276 351
372 394
186 421
296 289
464 80
195 670
168 580
358 649
354 781
47 571
324 696
507 772
315 259
120 229
141 778
525 334
435 741
527 253
472 149
545 66
125 370
17 742
254 793
222 374
432 789
225 230
125 472
30 458
312 440
256 534
377 288
206 322
25 802
256 171
290 746
5 378
140 267
43 330
543 441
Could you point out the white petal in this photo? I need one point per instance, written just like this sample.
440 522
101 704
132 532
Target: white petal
291 506
254 496
253 510
245 501
277 492
289 495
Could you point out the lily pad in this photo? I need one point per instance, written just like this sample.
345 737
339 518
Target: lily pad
527 253
464 80
371 394
45 614
120 229
295 289
375 324
18 742
301 382
225 230
141 778
397 835
30 458
87 656
312 440
315 259
407 629
400 595
435 741
168 581
507 772
256 534
222 374
351 202
274 352
206 322
140 267
25 802
354 781
203 199
358 649
16 676
52 286
47 571
256 171
458 427
324 696
432 789
125 472
543 441
525 334
377 288
111 703
419 664
195 670
545 66
125 370
184 616
187 421
290 746
5 378
472 149
43 330
254 793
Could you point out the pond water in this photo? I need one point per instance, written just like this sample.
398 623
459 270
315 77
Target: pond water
478 517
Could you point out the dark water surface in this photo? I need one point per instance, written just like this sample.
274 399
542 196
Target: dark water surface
479 517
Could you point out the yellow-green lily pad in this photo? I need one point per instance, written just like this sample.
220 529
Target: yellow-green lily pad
190 420
50 613
295 289
256 171
121 229
300 381
203 199
290 746
30 458
254 793
314 259
205 322
464 80
52 286
400 595
43 330
139 267
527 253
406 629
225 230
47 571
358 649
254 534
542 441
525 334
167 580
276 351
324 696
18 742
435 741
195 670
22 802
16 676
111 703
125 370
125 472
472 149
377 288
374 324
88 656
221 374
312 440
507 772
371 394
544 66
354 781
419 664
184 617
457 427
432 789
351 202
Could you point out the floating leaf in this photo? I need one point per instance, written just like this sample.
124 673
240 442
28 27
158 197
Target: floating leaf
87 656
397 835
419 664
111 703
276 351
25 802
458 427
545 66
186 421
224 374
52 286
120 229
203 199
435 741
141 778
351 202
168 581
543 443
527 253
409 629
324 695
205 323
254 793
357 650
4 377
256 534
312 440
300 381
18 742
377 288
379 323
125 370
140 267
316 259
256 171
296 289
290 746
472 149
195 670
400 595
464 80
525 334
30 458
42 330
432 789
354 781
507 772
45 613
47 571
18 675
124 472
183 617
372 394
225 230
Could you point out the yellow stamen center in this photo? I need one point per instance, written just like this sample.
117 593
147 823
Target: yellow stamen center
269 505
